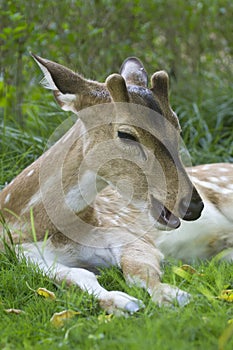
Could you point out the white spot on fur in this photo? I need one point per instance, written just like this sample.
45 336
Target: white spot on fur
226 191
224 170
8 196
212 186
224 178
30 172
34 200
114 222
230 186
106 199
213 179
206 167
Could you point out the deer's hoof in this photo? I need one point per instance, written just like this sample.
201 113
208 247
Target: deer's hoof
133 306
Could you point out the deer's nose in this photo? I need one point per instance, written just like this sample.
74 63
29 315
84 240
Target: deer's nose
190 209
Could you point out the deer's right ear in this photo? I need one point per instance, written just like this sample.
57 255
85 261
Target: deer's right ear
61 80
71 91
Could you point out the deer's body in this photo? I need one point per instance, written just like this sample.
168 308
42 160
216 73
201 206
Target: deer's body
213 232
106 191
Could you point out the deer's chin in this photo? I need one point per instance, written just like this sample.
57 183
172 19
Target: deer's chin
168 224
164 218
161 227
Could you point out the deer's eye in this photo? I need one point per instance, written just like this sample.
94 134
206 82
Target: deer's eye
126 136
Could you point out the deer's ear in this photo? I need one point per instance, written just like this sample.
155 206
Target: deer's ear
72 91
58 77
133 72
61 80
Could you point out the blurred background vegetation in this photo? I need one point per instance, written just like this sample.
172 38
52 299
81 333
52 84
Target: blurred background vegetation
191 39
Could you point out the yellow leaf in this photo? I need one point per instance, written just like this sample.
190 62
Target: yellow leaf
46 293
181 273
191 270
188 277
14 311
59 318
105 318
226 295
225 336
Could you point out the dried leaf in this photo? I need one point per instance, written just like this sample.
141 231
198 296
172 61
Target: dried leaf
46 293
14 311
181 273
188 277
191 270
226 295
59 318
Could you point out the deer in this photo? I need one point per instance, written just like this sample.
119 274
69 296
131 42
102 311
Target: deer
113 191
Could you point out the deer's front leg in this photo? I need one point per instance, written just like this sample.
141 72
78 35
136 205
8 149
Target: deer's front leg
141 266
50 262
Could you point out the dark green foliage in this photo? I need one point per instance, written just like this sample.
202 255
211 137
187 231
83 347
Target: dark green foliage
190 39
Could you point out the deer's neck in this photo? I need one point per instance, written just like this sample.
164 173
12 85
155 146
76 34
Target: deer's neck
84 191
52 185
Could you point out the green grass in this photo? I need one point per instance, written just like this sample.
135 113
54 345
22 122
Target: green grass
199 325
207 131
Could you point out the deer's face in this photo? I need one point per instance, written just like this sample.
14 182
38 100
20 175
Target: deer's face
159 176
140 157
131 143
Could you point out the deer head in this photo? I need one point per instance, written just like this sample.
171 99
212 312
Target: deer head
135 135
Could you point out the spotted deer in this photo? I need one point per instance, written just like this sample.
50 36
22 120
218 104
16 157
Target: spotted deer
113 190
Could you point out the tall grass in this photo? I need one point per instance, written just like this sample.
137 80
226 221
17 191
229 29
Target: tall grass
207 123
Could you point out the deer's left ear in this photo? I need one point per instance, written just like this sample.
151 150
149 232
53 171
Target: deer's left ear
72 91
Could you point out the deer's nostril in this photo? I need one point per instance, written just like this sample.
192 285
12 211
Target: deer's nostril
191 208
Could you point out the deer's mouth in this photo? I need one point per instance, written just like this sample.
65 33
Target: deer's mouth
163 215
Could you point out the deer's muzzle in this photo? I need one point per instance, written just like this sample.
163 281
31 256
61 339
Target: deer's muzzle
189 211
